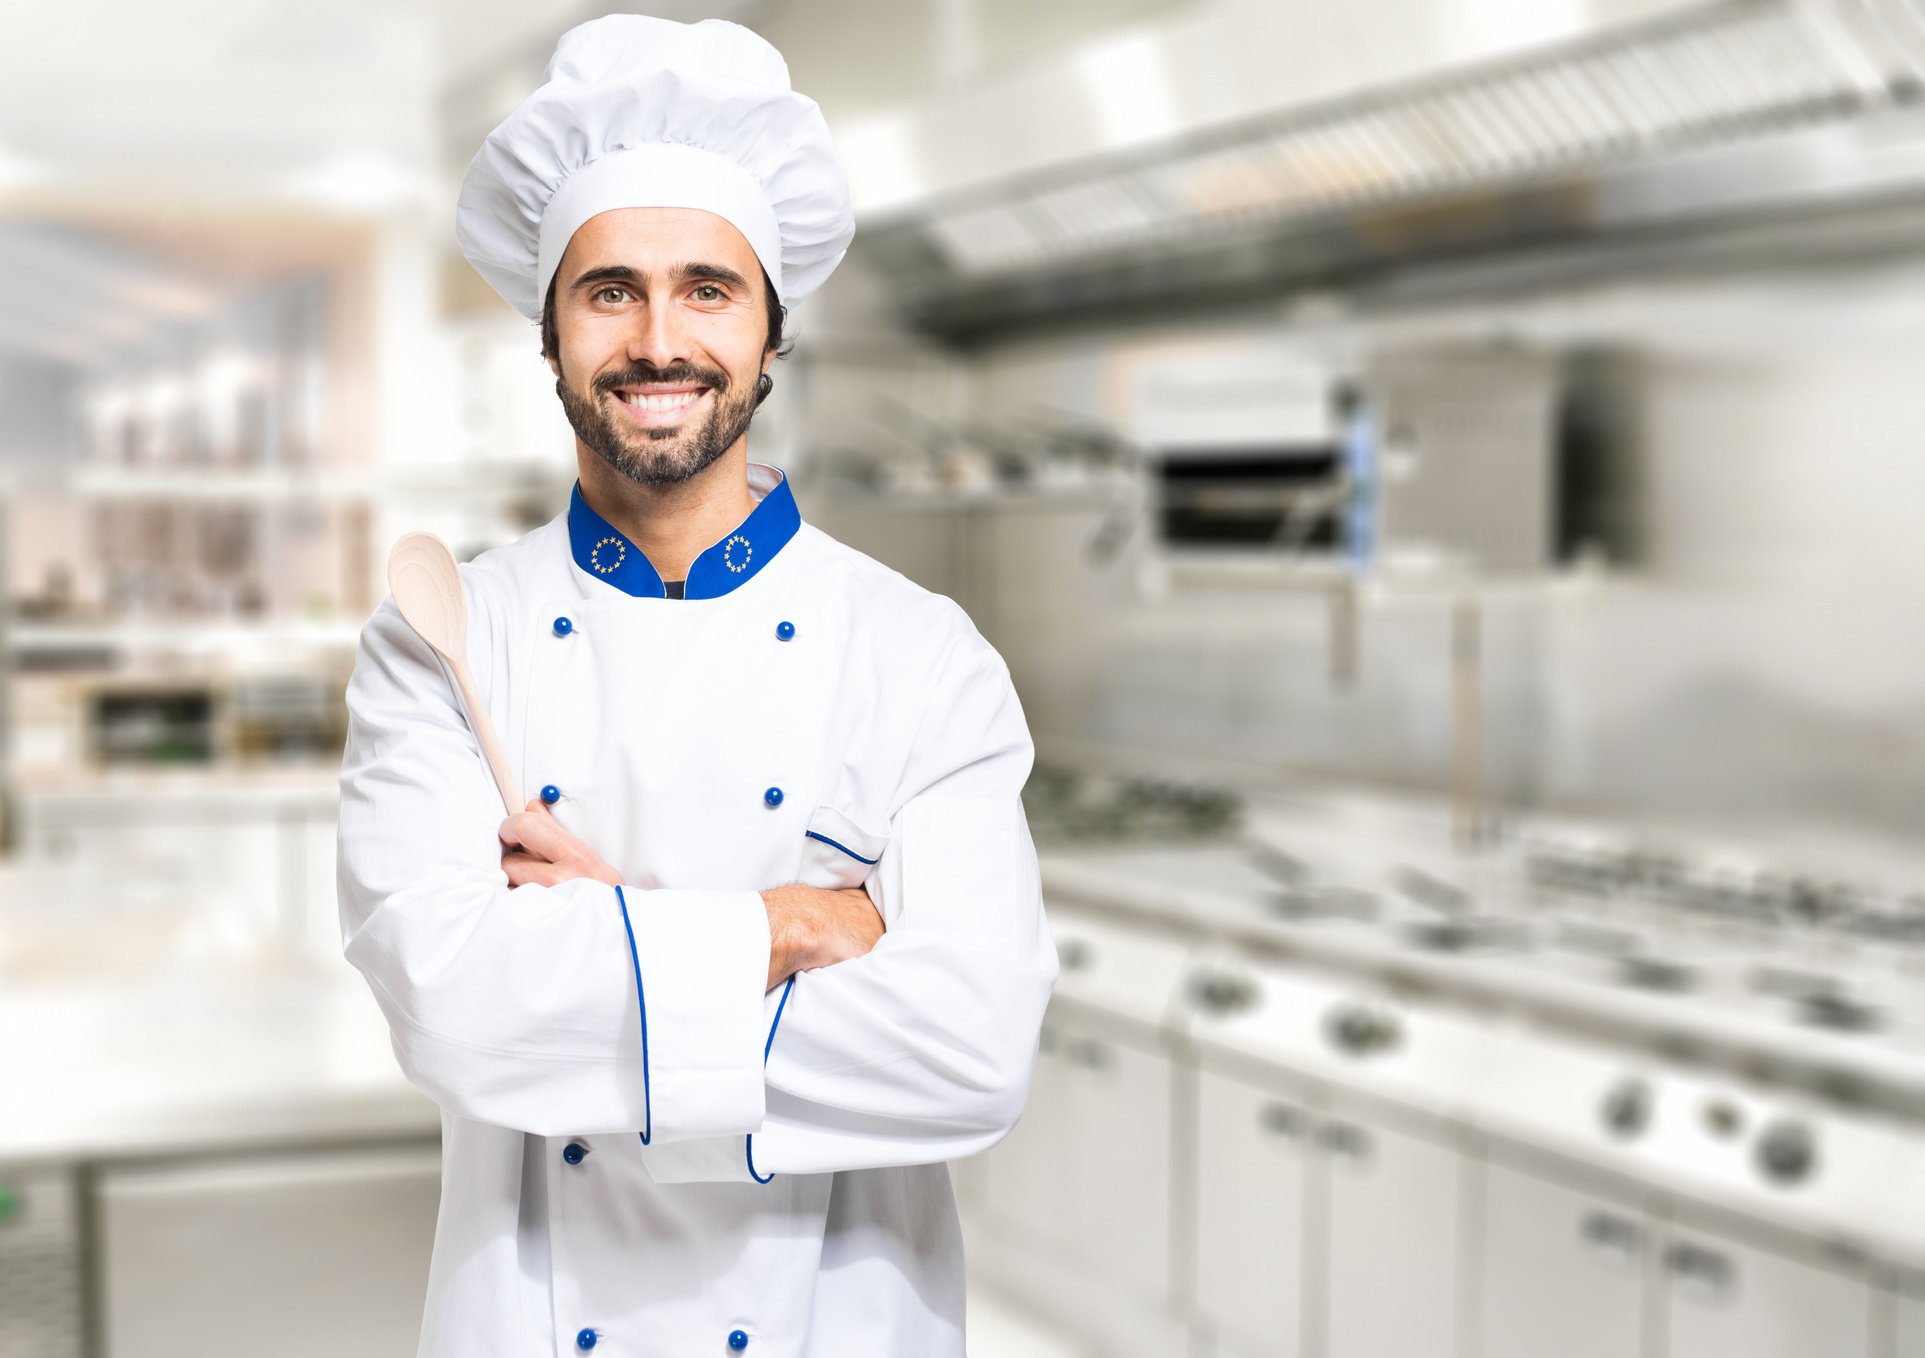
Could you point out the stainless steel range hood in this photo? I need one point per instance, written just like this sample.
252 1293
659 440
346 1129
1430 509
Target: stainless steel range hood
1716 118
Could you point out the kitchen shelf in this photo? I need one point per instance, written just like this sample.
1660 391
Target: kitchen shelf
185 634
195 484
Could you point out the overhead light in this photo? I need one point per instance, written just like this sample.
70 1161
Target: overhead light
359 183
880 159
1518 25
224 375
1128 83
19 172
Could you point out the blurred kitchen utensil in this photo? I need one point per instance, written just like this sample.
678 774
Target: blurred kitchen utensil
427 589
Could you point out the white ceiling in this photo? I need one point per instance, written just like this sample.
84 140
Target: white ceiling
360 106
235 96
147 113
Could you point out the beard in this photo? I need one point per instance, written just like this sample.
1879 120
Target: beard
652 456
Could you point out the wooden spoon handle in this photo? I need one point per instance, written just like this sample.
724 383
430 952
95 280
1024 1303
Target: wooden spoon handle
485 734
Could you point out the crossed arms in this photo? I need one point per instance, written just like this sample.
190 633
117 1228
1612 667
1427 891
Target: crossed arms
525 986
809 926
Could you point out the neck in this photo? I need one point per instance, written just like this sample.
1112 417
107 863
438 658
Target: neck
675 522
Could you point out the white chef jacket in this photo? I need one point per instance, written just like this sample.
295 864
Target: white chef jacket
644 1153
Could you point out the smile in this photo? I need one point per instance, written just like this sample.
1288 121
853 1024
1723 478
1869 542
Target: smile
659 405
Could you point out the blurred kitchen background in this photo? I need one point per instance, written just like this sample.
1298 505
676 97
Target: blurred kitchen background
1445 475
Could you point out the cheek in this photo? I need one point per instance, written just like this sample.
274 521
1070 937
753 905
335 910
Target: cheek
743 363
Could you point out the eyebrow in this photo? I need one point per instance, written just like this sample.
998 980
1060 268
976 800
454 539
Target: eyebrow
681 273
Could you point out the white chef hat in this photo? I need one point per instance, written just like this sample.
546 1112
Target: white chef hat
635 111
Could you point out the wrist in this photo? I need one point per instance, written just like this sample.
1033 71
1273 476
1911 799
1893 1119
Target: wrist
790 940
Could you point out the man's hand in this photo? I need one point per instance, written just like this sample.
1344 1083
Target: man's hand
535 848
812 926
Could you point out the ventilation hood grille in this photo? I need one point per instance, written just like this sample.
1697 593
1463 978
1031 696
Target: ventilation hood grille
1719 76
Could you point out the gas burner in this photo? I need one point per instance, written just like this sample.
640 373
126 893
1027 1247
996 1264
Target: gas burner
1065 805
1644 972
1429 890
1471 933
1595 940
1885 921
1359 1029
1277 863
1786 1153
1312 903
1838 1012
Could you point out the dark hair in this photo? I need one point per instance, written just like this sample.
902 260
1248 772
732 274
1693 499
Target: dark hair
551 342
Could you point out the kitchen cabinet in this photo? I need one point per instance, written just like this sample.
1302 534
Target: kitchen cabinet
1562 1269
305 1254
1025 1188
1908 1320
1117 1162
41 1285
1394 1240
255 860
312 893
1087 1169
1723 1296
232 864
1251 1168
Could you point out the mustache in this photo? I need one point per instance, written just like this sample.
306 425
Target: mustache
678 373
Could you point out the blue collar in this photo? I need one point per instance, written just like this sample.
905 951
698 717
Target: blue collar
602 550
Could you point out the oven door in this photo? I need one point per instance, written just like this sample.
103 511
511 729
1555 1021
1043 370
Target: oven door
314 1253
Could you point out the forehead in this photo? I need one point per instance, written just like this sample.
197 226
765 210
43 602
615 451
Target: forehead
651 238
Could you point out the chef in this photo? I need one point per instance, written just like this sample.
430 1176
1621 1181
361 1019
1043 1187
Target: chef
765 948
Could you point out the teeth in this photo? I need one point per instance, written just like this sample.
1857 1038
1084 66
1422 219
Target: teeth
664 402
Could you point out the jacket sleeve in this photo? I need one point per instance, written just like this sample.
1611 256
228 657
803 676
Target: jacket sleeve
921 1050
519 1005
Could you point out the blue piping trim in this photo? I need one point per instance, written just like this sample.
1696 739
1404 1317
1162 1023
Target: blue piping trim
648 1109
844 847
748 1142
606 553
780 1005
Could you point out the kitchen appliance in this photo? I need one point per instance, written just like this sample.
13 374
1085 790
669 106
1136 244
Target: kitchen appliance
41 1265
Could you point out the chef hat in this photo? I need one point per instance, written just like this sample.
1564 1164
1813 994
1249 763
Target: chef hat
635 111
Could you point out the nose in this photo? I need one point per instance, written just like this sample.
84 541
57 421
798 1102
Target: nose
658 336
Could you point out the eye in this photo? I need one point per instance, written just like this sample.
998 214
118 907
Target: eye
612 287
707 292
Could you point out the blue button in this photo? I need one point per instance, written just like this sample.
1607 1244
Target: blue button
784 630
551 794
563 627
738 1340
773 796
585 1340
573 1152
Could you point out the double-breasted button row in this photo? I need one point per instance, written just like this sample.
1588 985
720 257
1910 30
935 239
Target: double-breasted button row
550 794
587 1339
772 796
784 630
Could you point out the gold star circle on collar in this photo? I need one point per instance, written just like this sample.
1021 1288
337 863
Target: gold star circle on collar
747 552
595 556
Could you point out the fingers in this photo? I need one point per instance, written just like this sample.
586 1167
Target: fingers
523 869
538 833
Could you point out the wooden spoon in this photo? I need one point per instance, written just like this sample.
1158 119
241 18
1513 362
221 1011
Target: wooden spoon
427 589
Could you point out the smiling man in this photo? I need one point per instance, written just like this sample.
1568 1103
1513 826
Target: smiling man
684 273
765 947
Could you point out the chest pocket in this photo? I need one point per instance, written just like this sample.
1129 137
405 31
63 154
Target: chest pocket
837 852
